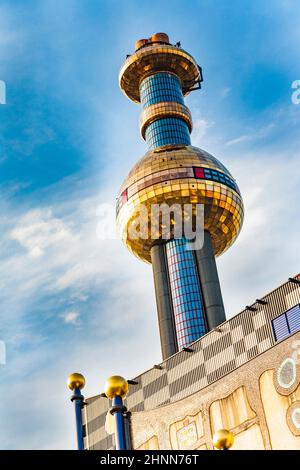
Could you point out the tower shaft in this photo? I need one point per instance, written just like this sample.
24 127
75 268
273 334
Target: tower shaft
164 303
188 294
210 284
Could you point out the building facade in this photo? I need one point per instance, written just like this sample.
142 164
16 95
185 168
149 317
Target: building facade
243 376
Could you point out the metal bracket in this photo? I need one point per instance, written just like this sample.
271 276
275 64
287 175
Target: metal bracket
118 409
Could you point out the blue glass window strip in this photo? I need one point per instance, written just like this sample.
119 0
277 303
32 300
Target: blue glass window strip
160 87
214 175
167 131
186 294
287 323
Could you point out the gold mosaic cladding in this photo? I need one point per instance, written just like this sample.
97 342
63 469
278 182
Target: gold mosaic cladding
224 211
164 109
158 58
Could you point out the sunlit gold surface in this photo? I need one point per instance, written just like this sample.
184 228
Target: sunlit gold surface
162 110
140 43
223 439
159 37
157 58
116 386
76 380
167 177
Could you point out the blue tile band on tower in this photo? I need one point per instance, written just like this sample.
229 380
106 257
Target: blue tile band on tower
160 87
167 131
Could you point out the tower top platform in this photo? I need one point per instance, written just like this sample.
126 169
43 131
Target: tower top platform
155 55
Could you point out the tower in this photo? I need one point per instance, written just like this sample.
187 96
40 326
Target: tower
174 173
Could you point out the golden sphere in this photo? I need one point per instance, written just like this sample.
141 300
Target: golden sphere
76 380
223 439
116 386
178 176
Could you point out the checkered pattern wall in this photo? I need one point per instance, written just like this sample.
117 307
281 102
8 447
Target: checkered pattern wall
219 352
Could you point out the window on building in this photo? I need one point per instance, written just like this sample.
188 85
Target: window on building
287 323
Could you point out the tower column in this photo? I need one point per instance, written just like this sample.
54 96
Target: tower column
185 286
212 296
188 293
163 302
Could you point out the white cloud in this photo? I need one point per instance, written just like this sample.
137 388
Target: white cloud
200 128
257 134
264 254
74 268
225 92
238 140
71 318
38 230
9 35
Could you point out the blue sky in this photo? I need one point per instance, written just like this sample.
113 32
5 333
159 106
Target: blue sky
69 301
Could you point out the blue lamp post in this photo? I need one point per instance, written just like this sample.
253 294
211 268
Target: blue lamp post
76 382
116 388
